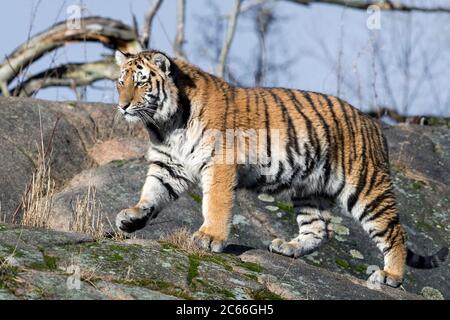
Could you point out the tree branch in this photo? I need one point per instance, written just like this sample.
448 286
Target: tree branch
111 33
386 5
228 38
179 38
69 75
4 89
148 20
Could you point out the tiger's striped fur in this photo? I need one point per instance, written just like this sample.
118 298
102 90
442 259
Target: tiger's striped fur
329 154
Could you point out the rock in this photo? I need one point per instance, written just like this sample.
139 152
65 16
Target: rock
266 198
356 254
299 280
71 133
58 265
431 293
120 149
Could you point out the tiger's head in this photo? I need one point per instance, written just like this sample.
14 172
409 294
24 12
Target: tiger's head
146 87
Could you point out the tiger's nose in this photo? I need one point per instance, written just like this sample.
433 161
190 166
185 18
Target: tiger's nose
124 107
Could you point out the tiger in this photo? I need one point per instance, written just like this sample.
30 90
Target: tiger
323 154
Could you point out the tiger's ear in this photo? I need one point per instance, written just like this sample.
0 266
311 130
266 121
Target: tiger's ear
121 57
161 62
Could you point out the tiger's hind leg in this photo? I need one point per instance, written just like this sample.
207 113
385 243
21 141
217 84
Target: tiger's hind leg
376 210
313 218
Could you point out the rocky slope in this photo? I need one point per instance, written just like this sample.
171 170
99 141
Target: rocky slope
43 264
91 151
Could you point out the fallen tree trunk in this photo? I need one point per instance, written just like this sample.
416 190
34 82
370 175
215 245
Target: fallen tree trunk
69 75
109 32
423 120
385 5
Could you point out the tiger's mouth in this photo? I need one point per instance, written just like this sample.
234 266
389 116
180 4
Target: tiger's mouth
144 113
128 114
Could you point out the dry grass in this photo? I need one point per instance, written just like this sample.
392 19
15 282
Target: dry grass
37 202
87 217
37 199
2 215
182 238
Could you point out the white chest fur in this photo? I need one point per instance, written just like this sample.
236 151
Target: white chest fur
186 147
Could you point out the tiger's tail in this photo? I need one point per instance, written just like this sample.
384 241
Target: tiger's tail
420 262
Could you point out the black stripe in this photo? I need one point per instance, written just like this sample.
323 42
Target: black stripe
372 144
381 233
292 133
349 128
162 152
315 236
309 162
374 204
385 150
168 187
267 123
247 104
290 129
328 137
169 169
321 202
227 106
204 166
304 223
280 172
372 182
161 90
294 175
339 135
355 127
392 236
312 137
362 178
233 102
152 129
380 212
257 103
185 105
342 145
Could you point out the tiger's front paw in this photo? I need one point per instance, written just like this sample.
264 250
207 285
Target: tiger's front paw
208 242
132 219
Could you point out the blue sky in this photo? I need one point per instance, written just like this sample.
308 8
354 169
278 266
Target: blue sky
312 38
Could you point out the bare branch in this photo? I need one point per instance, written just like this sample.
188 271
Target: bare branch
228 38
148 20
250 5
386 5
179 38
135 26
111 33
4 89
69 75
264 19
